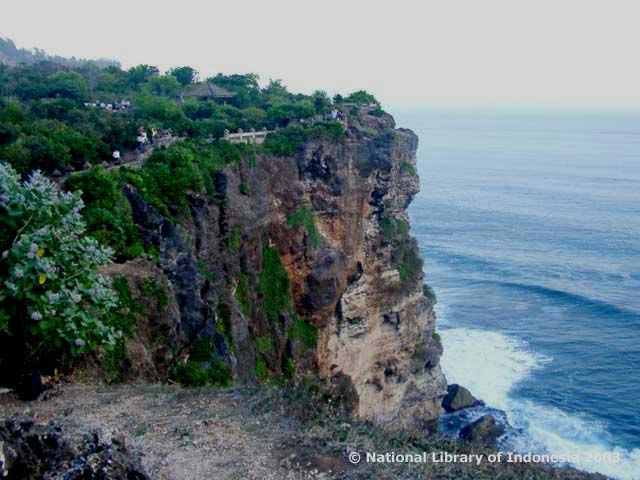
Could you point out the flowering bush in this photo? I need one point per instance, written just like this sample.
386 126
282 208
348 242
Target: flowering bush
53 303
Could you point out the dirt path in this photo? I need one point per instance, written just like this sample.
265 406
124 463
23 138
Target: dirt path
181 434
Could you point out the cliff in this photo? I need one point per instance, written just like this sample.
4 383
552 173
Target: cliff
299 264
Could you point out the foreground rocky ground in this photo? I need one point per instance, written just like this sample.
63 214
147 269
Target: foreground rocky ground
241 433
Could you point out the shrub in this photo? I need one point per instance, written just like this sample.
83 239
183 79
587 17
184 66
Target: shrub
304 216
429 293
107 211
53 303
361 97
390 227
410 265
286 141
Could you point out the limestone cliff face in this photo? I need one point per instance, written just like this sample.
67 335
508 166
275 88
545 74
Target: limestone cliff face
356 280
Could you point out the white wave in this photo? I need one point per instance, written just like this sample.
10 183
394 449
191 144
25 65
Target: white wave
491 363
487 363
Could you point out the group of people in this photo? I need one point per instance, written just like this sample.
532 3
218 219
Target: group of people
115 106
144 139
337 115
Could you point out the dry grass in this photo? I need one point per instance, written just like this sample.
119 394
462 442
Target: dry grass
251 433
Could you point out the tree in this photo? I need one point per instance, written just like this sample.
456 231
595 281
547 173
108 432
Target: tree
53 302
184 75
165 85
361 97
140 74
68 85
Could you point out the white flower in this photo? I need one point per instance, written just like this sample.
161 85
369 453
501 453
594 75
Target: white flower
53 297
75 297
80 343
18 272
36 316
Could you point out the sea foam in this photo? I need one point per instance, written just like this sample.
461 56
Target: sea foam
490 364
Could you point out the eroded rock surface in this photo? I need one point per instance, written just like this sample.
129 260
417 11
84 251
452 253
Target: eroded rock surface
356 315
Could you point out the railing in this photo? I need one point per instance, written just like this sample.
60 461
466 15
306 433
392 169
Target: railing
252 136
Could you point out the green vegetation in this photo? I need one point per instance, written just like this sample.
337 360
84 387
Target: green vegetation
223 323
361 97
53 302
410 265
304 216
129 308
390 227
244 189
377 112
265 344
53 115
242 295
152 289
107 211
436 337
200 369
260 370
287 141
305 332
429 293
274 284
205 272
234 239
288 368
409 169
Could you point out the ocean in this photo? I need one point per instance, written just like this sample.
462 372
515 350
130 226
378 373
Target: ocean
529 224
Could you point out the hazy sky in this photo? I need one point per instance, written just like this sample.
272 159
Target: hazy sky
481 52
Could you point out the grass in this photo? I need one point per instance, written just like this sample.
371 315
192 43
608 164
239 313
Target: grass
274 284
234 239
151 289
303 216
260 370
206 273
265 344
201 369
409 169
305 332
242 295
223 323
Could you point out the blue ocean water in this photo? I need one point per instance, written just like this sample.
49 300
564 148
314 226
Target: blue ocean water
529 224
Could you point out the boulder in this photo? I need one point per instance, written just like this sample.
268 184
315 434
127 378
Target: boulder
35 450
485 430
458 398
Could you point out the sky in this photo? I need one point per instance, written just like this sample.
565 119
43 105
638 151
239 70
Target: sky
504 53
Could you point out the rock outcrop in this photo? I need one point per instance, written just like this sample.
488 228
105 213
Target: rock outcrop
34 450
484 431
302 264
459 398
